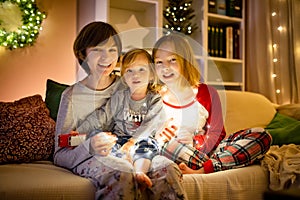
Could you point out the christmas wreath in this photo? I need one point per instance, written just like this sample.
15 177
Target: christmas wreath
20 23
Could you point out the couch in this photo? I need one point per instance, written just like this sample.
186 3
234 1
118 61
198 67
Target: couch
32 175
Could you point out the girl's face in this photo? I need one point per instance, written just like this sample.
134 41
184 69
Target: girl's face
137 74
102 58
166 64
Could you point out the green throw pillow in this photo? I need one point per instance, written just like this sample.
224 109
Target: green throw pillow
284 130
53 94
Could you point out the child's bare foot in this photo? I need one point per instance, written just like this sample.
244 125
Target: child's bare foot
143 180
186 170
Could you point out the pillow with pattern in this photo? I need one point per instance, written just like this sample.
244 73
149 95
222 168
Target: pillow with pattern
26 131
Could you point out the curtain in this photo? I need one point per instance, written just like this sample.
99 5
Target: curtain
273 71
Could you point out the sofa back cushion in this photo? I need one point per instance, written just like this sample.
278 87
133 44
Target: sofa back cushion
54 91
246 110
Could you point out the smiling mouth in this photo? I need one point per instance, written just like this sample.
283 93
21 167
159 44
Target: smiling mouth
168 75
104 66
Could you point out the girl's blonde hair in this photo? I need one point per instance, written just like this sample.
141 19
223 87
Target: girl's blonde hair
183 50
129 58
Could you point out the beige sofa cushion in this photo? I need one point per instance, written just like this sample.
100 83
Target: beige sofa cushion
244 183
247 110
42 180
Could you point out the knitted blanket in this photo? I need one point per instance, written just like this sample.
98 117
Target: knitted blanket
283 165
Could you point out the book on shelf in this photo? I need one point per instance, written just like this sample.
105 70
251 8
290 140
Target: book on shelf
212 6
238 5
224 41
209 40
221 7
212 41
236 43
229 42
216 42
221 41
234 8
233 42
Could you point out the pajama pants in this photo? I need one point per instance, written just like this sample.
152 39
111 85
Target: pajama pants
239 149
114 178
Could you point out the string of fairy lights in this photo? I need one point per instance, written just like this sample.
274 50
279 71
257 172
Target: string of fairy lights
275 49
25 35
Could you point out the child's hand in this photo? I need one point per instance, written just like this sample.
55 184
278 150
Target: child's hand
167 134
103 142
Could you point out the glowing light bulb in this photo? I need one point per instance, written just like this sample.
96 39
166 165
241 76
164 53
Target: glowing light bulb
280 28
275 60
274 14
274 75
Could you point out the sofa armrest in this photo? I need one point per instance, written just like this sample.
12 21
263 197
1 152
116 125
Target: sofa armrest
291 110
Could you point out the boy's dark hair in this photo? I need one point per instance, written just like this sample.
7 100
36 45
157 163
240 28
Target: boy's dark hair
92 35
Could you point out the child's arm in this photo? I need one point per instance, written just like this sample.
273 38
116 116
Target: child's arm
101 119
214 128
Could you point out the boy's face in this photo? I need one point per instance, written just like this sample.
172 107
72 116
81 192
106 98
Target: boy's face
137 75
103 58
166 63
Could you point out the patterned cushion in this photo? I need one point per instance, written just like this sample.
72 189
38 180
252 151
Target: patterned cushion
26 131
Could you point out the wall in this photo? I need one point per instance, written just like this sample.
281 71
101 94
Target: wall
24 71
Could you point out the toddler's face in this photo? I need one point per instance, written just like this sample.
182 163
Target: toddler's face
137 75
103 58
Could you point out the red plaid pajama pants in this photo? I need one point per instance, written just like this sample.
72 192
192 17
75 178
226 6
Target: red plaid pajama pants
240 149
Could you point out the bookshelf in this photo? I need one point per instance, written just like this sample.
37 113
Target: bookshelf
221 66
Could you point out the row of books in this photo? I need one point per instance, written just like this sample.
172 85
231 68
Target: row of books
232 8
224 41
